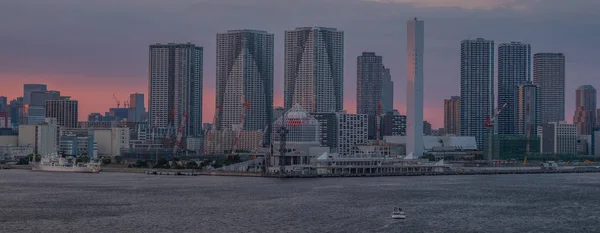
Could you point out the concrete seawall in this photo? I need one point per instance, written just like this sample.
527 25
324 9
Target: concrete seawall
480 172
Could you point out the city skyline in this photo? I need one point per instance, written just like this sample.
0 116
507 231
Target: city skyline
125 52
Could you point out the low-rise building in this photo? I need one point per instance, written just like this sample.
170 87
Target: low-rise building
111 141
74 145
558 138
13 152
42 137
221 141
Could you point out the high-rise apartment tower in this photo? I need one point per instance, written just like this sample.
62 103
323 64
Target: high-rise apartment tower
476 87
314 69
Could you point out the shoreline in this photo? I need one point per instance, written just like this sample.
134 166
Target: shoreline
190 172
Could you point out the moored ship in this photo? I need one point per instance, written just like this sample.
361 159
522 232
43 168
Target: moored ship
55 163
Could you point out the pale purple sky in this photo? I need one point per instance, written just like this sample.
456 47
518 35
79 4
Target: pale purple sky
90 49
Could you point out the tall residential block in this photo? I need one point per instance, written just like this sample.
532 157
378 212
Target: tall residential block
28 88
585 109
175 87
528 109
514 69
476 87
245 74
65 111
3 104
549 74
369 71
452 116
415 46
314 69
36 110
137 108
387 91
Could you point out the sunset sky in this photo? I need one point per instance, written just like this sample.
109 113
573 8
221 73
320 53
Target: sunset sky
92 49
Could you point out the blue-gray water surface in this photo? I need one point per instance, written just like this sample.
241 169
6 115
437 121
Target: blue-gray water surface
117 202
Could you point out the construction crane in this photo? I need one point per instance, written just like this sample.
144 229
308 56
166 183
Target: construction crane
241 126
179 135
489 123
528 127
282 131
261 142
116 100
378 122
211 132
153 133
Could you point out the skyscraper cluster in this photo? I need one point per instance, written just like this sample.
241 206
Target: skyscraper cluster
313 79
525 103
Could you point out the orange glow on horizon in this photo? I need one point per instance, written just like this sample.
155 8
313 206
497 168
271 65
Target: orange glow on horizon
99 98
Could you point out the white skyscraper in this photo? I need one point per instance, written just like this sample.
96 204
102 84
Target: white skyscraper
175 87
314 69
415 42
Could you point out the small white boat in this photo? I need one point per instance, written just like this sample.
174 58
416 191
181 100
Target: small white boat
398 213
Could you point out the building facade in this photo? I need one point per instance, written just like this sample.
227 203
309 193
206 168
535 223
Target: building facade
549 74
415 46
559 138
476 87
314 69
353 129
36 109
427 128
328 128
369 71
528 109
245 75
3 104
514 69
387 91
393 124
175 87
28 88
137 108
452 116
65 111
585 109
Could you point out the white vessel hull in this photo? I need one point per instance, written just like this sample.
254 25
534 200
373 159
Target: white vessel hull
399 216
49 168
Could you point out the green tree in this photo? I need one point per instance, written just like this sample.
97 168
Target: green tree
118 159
162 163
23 161
140 164
106 160
37 157
83 159
191 165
